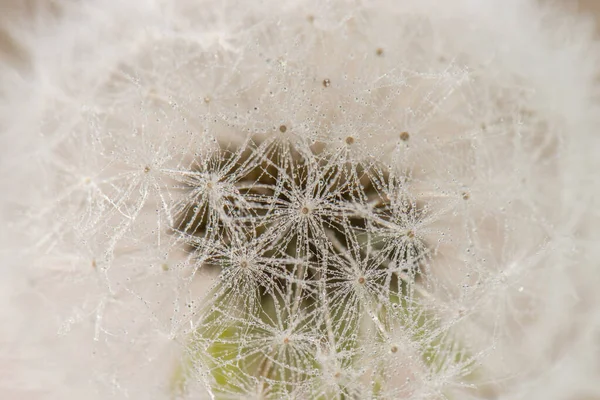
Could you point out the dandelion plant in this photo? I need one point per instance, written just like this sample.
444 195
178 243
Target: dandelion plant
299 199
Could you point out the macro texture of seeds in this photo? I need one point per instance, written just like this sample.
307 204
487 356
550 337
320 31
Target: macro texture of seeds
306 239
300 199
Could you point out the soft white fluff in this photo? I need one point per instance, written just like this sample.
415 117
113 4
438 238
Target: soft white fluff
499 97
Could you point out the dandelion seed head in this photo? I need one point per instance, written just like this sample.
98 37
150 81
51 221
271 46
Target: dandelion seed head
272 195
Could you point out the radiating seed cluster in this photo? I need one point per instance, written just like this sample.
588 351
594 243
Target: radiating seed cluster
313 252
299 199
